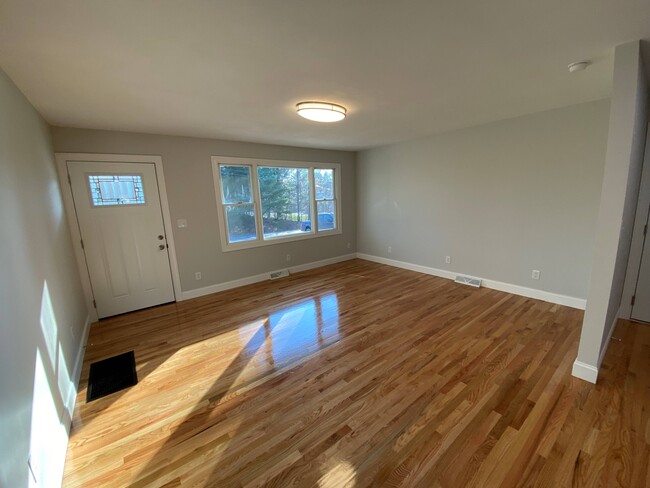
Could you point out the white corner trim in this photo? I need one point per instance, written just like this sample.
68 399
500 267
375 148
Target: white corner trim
603 349
546 296
249 280
585 371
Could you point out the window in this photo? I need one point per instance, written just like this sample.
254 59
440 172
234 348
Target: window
263 202
285 198
237 195
116 190
325 201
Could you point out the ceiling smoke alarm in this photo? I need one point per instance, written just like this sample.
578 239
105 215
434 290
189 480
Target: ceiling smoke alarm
579 66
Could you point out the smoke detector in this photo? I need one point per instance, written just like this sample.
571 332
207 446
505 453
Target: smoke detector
579 66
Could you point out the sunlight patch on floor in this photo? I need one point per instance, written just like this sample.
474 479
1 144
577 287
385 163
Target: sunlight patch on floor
338 474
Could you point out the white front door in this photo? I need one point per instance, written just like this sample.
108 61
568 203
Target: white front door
123 235
641 307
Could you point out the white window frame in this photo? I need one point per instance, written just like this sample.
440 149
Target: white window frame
334 199
226 246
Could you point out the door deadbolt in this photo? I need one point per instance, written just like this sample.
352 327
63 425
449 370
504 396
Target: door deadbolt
161 247
161 237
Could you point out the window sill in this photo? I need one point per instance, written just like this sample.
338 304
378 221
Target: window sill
240 246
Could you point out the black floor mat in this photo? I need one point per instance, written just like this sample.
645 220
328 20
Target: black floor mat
110 375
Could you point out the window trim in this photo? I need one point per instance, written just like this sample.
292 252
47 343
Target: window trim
334 198
257 201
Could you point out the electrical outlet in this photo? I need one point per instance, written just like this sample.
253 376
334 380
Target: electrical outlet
197 276
535 274
390 249
181 223
448 259
288 257
349 245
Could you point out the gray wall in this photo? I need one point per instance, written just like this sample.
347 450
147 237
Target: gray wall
643 204
36 251
190 188
620 191
501 199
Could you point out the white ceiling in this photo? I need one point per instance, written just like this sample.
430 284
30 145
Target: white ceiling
235 69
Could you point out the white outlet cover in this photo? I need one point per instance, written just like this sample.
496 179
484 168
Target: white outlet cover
197 276
181 223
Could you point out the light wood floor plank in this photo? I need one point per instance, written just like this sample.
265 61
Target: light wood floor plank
360 374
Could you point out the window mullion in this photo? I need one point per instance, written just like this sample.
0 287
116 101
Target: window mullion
257 202
312 196
337 198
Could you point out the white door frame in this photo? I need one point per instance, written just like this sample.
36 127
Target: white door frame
68 203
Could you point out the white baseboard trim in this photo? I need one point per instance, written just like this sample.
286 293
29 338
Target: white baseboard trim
323 262
546 296
60 439
410 266
249 280
78 365
585 371
207 290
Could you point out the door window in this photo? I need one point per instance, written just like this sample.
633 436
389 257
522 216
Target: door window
116 190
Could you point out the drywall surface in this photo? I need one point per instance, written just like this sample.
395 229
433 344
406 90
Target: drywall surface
642 208
191 192
42 312
501 199
620 190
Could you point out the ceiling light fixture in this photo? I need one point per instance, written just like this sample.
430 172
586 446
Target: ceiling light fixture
579 66
321 111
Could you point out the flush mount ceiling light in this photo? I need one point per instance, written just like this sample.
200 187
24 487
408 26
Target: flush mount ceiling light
321 111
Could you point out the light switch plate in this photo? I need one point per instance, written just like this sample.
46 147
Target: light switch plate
181 223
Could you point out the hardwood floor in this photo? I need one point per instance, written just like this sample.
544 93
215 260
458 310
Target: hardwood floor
361 374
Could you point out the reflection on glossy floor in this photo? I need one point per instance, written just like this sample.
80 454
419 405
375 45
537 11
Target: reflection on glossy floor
361 374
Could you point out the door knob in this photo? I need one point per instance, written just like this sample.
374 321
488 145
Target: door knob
161 247
161 237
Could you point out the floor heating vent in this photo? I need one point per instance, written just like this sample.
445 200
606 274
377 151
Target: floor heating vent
466 280
279 274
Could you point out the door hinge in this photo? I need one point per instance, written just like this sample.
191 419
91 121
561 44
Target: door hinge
633 300
69 180
82 244
94 304
645 229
